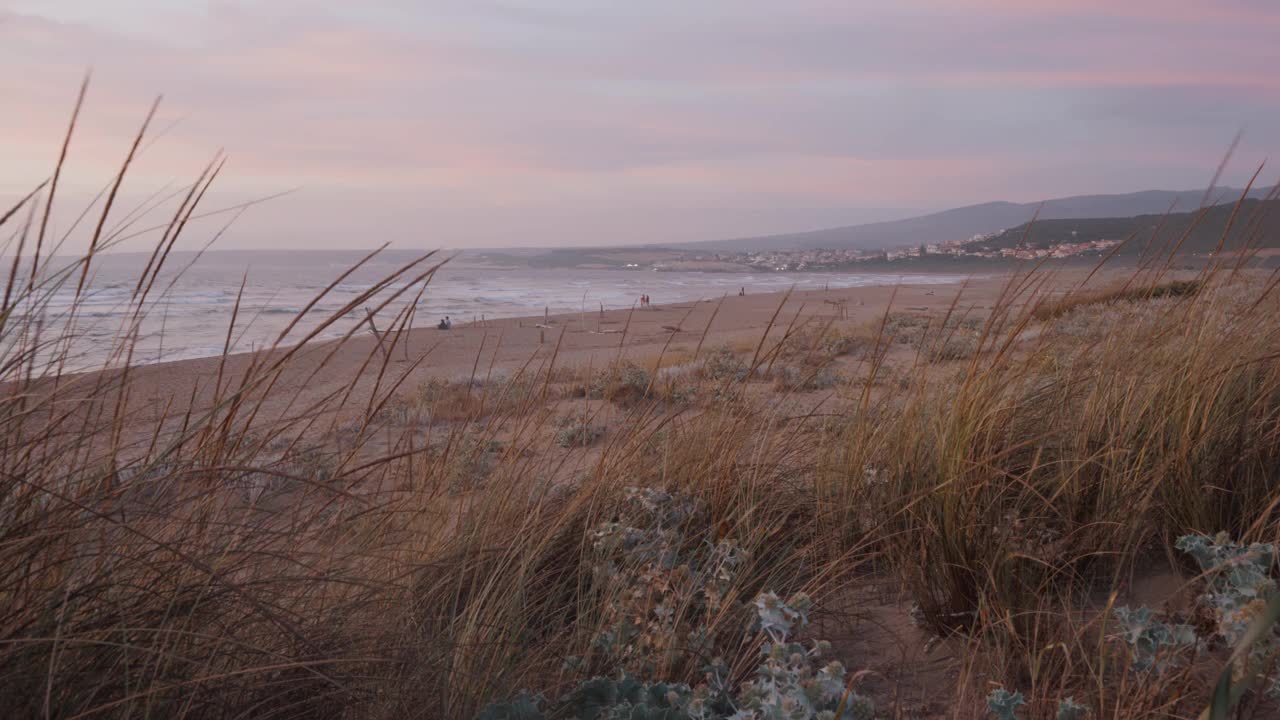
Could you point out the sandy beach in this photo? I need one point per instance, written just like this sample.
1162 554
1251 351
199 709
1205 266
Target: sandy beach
590 339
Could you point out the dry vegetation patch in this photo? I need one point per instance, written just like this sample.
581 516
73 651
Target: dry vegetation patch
435 551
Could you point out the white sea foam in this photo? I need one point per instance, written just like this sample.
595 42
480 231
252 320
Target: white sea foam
189 319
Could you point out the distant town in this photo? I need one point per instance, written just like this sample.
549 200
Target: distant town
978 246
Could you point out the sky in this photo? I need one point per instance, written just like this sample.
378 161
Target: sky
483 123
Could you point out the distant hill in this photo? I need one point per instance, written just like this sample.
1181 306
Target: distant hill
965 222
1257 222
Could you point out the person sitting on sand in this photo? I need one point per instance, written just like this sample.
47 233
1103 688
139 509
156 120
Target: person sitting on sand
445 324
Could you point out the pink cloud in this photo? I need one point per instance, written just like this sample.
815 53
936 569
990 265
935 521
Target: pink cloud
473 110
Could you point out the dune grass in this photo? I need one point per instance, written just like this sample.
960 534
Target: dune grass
1050 308
426 551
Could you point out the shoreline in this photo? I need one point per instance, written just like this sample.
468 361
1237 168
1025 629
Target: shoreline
364 366
191 323
738 313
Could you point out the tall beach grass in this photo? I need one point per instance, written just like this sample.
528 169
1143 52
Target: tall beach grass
248 551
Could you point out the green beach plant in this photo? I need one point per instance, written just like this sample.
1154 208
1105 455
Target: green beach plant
787 685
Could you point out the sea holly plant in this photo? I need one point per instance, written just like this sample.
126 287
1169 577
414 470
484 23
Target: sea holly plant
666 577
601 698
778 618
1069 709
1155 645
789 684
1239 587
1003 705
1239 579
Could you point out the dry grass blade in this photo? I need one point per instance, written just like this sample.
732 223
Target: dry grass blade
341 530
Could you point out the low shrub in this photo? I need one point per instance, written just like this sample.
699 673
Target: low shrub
576 431
445 400
623 382
940 339
1047 309
468 461
953 347
790 378
724 364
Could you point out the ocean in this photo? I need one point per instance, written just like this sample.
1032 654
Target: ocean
190 307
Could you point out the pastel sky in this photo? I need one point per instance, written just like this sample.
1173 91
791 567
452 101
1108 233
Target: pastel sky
466 123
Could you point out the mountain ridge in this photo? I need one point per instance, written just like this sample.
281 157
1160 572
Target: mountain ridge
1253 225
980 219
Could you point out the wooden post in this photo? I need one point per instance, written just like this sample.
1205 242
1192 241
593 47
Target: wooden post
413 313
376 335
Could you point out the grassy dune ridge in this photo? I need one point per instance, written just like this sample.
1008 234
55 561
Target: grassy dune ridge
988 483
